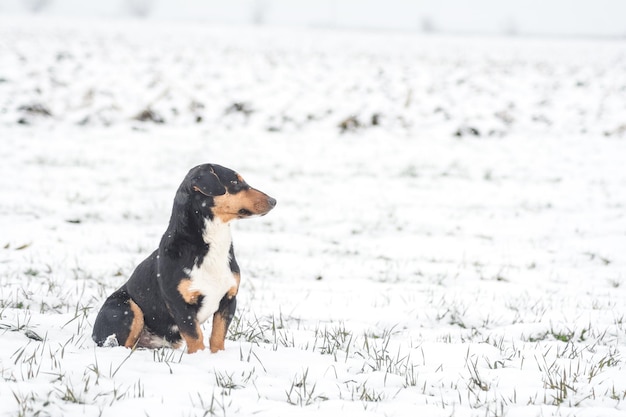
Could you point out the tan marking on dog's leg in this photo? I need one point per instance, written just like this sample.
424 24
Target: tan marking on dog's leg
218 333
196 343
232 291
136 327
190 296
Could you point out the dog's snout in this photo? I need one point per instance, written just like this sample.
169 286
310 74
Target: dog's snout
272 202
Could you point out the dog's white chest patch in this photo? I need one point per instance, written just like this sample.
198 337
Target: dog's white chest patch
213 277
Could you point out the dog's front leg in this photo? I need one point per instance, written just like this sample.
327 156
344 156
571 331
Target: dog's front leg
182 306
226 310
193 336
221 320
189 329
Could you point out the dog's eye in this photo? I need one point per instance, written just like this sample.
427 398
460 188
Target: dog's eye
234 182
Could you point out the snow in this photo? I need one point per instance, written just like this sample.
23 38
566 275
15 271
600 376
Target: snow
462 256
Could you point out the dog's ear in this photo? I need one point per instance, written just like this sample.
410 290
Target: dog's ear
207 183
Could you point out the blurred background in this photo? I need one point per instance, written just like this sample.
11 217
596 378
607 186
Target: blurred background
518 17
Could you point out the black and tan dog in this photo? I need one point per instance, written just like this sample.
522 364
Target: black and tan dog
192 275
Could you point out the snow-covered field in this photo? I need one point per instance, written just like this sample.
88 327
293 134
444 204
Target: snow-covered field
449 240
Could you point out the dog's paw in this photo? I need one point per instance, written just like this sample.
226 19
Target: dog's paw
195 348
216 347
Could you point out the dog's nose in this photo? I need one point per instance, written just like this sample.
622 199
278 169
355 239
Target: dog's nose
272 202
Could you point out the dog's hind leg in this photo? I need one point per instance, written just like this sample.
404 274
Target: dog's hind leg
119 322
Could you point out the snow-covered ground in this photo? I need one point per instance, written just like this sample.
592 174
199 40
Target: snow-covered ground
449 240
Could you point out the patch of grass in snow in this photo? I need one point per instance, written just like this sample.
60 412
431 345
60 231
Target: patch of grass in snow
375 351
229 381
409 171
616 394
567 335
453 314
558 381
364 393
330 341
251 330
568 376
19 324
35 361
214 406
26 403
302 391
167 356
475 380
615 282
372 352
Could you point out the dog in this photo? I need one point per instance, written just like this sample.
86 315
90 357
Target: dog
192 275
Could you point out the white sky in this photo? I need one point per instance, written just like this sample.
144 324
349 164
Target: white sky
543 17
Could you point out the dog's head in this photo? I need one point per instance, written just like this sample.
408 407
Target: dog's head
220 193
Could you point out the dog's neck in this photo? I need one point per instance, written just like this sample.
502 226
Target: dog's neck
184 229
217 235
